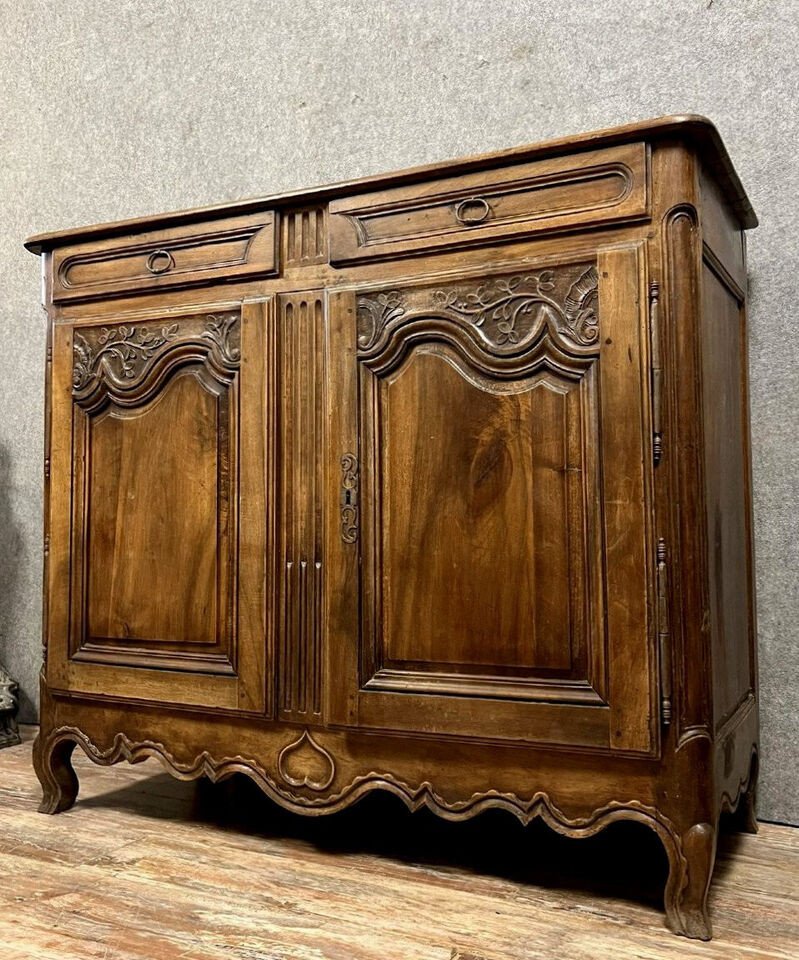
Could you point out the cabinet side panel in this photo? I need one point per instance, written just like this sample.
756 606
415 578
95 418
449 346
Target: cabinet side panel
726 493
720 230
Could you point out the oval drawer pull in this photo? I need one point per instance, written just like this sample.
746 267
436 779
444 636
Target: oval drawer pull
160 261
472 210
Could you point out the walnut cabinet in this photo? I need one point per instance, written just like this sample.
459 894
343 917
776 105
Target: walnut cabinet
435 482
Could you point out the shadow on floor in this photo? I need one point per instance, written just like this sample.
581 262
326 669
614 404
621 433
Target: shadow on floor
625 861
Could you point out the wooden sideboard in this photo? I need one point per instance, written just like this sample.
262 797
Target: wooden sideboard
435 483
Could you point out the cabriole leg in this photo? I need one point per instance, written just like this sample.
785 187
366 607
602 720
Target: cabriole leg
746 814
53 766
689 882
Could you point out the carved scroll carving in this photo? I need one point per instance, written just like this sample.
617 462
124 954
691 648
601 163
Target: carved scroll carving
312 765
349 498
123 350
220 330
375 312
58 781
122 361
506 313
415 797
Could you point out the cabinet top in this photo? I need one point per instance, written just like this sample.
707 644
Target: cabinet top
690 128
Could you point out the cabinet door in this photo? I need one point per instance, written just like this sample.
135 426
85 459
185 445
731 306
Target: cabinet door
160 565
489 571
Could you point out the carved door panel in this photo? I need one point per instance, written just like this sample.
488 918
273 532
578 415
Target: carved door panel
489 568
158 547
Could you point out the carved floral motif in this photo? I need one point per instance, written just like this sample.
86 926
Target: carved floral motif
220 330
125 352
124 349
376 312
508 310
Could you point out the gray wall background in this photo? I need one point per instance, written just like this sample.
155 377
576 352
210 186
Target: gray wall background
117 109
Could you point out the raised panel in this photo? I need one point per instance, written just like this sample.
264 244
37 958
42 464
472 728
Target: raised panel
728 534
153 521
505 492
496 564
476 396
155 426
164 452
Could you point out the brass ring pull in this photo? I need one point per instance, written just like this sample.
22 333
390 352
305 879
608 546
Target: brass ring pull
160 261
480 210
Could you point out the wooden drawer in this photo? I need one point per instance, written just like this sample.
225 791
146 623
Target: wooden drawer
224 249
559 193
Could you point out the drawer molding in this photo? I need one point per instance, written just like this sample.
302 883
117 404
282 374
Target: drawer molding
358 488
601 186
615 173
158 262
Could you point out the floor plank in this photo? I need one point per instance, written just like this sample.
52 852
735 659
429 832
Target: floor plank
149 868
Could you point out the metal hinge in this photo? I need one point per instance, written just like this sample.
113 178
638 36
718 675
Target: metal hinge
664 634
657 371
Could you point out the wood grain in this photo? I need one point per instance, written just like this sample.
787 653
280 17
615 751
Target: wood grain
434 484
153 513
148 868
726 454
161 259
504 558
585 189
155 606
302 374
500 477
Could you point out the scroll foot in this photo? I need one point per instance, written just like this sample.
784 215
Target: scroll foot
686 892
53 766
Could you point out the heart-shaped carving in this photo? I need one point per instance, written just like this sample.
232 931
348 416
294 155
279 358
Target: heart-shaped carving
304 763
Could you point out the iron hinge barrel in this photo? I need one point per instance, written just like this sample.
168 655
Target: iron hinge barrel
664 633
657 371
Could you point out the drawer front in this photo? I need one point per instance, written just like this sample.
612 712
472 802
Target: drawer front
233 248
598 187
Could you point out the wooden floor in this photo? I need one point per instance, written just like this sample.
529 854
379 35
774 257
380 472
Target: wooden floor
150 868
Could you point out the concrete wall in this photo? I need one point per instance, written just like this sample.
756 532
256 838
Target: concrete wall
111 110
